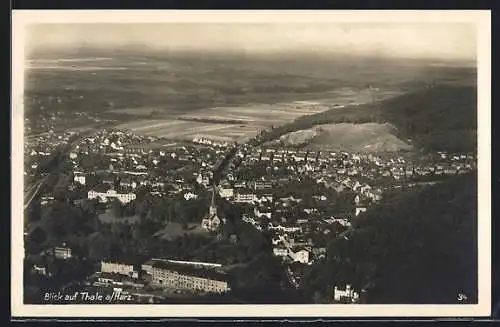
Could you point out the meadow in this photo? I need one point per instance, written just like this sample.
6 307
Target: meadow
225 97
368 137
216 122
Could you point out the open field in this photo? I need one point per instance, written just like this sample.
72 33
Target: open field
282 112
188 130
369 137
212 123
138 111
94 80
223 97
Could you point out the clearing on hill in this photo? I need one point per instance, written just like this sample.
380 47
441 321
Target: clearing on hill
369 137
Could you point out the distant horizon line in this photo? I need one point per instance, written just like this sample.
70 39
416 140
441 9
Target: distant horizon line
144 50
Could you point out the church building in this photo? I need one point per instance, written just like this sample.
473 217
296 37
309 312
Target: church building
211 222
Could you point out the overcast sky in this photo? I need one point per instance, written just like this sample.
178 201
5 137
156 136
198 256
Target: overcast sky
407 40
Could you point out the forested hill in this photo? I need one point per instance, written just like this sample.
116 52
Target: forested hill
417 247
438 118
443 107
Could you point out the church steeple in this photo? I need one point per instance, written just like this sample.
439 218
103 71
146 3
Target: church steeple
213 207
212 222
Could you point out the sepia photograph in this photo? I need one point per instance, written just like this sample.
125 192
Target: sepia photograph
267 163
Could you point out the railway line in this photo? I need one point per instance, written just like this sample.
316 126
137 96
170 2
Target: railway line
52 165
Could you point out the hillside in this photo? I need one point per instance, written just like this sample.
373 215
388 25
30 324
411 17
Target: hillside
440 118
443 117
417 247
366 137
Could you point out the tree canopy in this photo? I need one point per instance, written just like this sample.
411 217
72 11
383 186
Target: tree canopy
416 247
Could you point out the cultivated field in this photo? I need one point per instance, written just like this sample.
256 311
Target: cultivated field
181 96
187 130
252 117
369 137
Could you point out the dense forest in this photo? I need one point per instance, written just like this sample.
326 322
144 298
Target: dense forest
415 247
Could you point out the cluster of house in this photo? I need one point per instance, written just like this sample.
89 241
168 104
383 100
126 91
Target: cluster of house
288 240
128 163
39 148
289 250
337 170
358 165
127 151
59 252
132 161
205 141
111 194
163 274
51 113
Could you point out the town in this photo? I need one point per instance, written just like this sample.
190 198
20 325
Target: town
300 199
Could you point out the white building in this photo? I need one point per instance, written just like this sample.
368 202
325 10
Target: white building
119 268
79 179
345 294
203 180
62 253
244 197
190 195
289 229
265 198
360 210
103 197
301 256
128 183
280 252
226 192
264 213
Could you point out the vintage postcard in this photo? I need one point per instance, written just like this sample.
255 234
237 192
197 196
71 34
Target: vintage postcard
251 164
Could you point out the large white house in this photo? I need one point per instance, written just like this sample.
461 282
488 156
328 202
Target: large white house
79 179
345 294
104 197
119 268
262 212
226 192
280 251
359 210
301 256
244 197
189 196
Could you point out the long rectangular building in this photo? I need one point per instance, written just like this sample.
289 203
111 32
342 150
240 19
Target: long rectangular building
119 268
187 277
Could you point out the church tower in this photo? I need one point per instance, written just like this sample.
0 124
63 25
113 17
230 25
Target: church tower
213 208
211 222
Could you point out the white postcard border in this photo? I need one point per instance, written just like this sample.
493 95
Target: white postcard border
481 18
